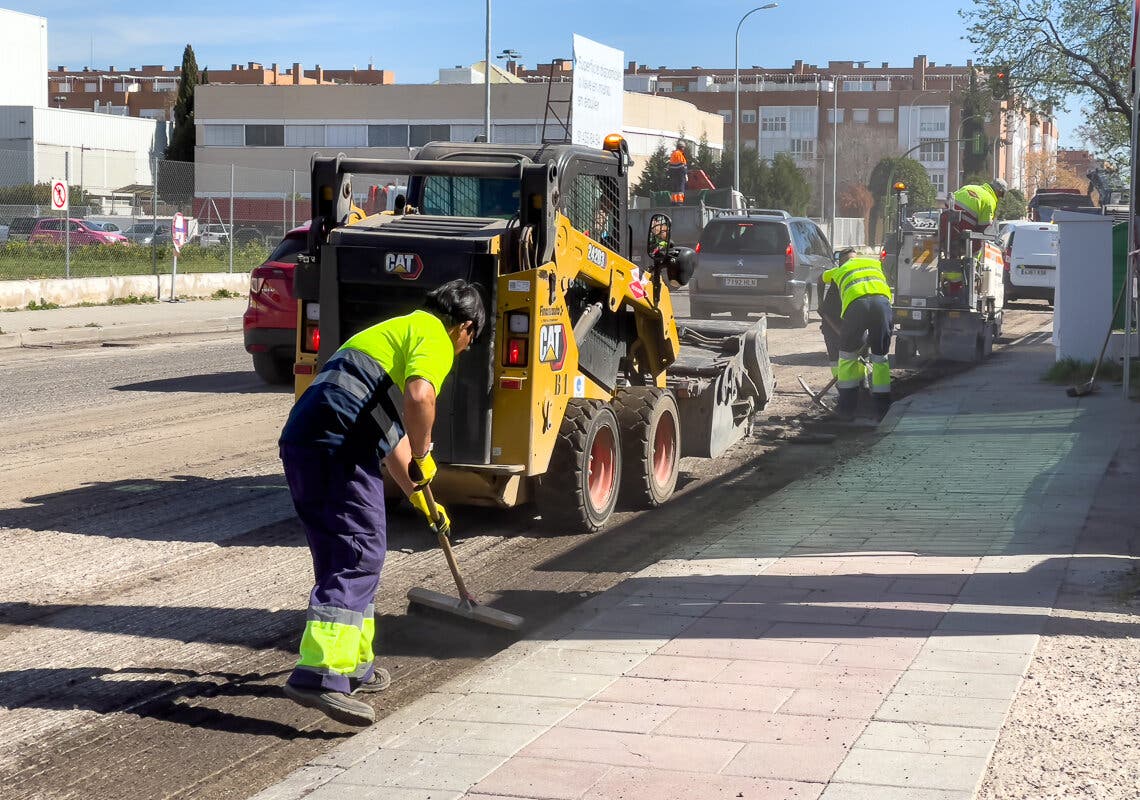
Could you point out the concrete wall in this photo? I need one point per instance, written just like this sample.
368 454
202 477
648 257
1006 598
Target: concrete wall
76 291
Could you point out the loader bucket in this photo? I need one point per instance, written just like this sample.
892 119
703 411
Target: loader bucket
721 379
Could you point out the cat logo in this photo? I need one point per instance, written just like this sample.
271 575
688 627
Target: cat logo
407 266
552 345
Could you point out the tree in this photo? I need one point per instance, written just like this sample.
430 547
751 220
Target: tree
1061 50
1043 170
182 140
886 173
1012 206
706 158
655 176
855 200
785 186
977 103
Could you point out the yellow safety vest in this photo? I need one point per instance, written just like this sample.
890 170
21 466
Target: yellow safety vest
979 199
858 277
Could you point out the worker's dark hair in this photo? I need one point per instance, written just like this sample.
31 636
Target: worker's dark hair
457 302
401 201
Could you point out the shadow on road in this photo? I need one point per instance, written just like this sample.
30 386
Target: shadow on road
212 383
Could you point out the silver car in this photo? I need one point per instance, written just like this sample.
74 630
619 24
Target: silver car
759 262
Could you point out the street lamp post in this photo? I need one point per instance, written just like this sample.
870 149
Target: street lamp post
736 108
834 148
487 79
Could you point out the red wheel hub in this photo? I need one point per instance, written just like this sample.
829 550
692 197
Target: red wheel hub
664 448
603 458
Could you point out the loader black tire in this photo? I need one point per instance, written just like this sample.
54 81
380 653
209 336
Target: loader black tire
579 490
650 443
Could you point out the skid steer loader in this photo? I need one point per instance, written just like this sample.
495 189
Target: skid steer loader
585 387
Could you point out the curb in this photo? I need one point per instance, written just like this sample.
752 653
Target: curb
90 335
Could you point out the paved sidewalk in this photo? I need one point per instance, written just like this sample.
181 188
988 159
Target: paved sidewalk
859 635
76 325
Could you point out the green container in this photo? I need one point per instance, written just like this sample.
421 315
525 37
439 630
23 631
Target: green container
1119 267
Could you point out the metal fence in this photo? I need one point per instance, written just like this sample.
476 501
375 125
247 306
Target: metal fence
235 215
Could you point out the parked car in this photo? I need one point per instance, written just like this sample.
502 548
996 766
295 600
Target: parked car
109 227
21 227
77 232
3 233
149 233
1032 253
759 262
270 320
213 234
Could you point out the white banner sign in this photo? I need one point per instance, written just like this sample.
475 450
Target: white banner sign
597 109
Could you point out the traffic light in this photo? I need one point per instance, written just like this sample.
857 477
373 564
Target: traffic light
978 144
999 82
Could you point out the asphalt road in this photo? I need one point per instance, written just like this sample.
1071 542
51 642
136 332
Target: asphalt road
153 580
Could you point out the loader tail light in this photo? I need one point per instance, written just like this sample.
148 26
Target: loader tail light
883 256
314 338
697 249
311 327
789 259
516 353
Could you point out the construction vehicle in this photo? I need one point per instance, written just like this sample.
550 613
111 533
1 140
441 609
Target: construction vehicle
947 281
702 201
585 383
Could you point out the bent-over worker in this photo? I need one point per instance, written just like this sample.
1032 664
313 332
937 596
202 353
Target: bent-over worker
865 299
978 203
374 400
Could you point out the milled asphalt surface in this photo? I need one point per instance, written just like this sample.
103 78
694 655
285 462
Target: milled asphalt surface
858 634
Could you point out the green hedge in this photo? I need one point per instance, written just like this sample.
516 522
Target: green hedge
24 261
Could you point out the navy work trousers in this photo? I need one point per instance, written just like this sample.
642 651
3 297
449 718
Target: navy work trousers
340 502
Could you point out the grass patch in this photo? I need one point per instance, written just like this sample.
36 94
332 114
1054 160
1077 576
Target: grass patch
1069 371
223 294
42 305
24 261
131 300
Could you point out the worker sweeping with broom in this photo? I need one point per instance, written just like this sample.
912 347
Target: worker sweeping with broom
374 400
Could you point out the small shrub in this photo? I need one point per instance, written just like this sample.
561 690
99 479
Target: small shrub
131 300
42 305
223 294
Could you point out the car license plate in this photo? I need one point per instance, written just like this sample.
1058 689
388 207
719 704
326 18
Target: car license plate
916 314
1032 270
739 281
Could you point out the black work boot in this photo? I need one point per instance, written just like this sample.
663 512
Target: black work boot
882 405
848 404
334 705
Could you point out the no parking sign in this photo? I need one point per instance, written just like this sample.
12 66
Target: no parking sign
58 196
178 232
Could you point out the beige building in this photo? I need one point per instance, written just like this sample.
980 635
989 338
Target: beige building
278 128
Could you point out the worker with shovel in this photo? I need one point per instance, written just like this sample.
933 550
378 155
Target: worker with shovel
865 299
374 400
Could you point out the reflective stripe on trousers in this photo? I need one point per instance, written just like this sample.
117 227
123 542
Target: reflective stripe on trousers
338 642
880 375
849 370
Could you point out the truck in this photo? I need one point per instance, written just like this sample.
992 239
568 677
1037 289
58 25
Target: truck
949 293
588 386
702 202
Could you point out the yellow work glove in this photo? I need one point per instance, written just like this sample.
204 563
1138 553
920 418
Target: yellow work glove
442 523
421 469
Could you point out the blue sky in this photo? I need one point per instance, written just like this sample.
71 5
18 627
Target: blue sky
416 39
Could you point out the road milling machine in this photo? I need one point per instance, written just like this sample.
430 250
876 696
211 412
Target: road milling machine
585 387
948 287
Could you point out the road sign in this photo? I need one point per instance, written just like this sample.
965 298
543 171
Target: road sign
178 232
58 196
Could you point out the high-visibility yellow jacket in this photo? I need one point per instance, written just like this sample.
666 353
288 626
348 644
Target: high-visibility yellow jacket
981 200
858 277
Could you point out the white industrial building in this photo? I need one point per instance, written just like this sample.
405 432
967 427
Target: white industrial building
100 152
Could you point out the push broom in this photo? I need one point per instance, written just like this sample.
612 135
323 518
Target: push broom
1089 386
465 606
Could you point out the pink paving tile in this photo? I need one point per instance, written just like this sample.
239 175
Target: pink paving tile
916 619
760 726
789 612
752 649
546 778
809 676
690 668
834 703
837 634
896 655
739 628
930 584
794 762
628 717
766 592
694 693
633 749
642 784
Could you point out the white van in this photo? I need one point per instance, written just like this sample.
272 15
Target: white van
1032 251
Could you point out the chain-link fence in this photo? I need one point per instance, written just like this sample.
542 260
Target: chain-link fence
120 213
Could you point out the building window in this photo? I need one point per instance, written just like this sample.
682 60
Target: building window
938 181
304 135
264 135
91 86
727 115
932 152
224 135
859 115
749 144
932 120
859 86
886 115
802 149
747 117
63 86
346 135
152 113
387 135
772 120
419 135
833 118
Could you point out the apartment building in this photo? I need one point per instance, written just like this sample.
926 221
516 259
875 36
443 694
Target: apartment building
150 91
838 120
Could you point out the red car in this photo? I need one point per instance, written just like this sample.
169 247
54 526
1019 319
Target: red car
51 231
270 321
